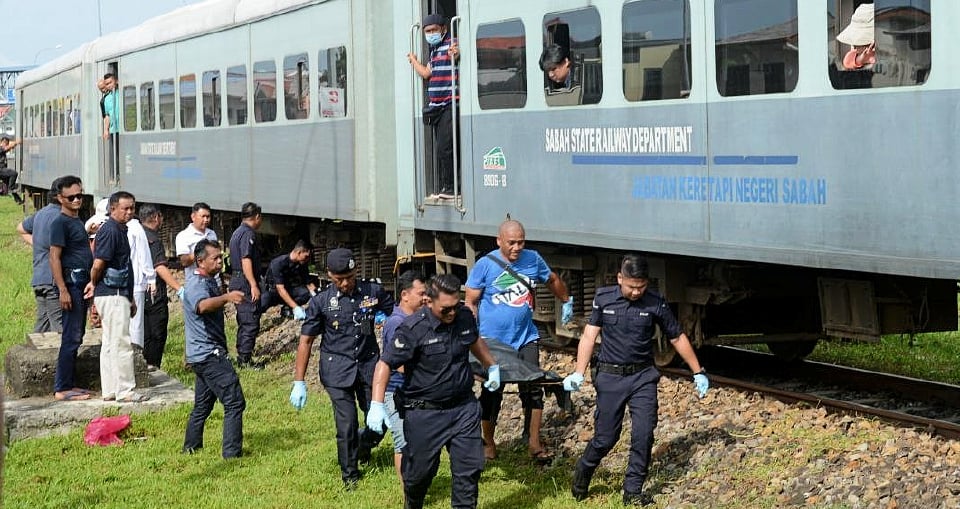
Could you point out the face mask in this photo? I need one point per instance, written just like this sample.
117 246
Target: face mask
433 39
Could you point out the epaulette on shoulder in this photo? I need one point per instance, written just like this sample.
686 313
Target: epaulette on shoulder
606 290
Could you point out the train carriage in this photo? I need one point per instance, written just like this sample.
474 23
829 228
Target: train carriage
781 196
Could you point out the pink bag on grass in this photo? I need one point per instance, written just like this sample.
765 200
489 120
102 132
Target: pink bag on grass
103 430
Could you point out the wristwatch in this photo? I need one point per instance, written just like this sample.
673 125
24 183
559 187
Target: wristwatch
703 371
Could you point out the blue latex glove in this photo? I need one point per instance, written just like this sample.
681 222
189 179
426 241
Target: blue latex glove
299 313
493 378
566 313
298 396
377 417
379 318
180 292
572 382
700 380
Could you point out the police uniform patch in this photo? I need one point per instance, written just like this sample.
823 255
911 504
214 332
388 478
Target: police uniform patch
334 303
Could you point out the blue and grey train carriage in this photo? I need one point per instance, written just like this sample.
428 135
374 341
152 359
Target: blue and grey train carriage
782 195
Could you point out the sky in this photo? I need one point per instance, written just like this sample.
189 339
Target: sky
32 29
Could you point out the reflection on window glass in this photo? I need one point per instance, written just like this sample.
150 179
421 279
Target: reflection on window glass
146 107
67 116
211 99
296 86
167 105
188 101
55 114
237 94
130 108
880 43
501 65
756 46
265 91
656 50
571 59
332 77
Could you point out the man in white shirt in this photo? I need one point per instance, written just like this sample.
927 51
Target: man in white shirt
144 276
193 233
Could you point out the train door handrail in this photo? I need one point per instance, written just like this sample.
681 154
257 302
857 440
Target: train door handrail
415 90
455 118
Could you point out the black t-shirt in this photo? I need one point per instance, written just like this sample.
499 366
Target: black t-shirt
159 257
113 247
69 234
286 272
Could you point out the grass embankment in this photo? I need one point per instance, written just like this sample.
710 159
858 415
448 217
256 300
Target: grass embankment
290 457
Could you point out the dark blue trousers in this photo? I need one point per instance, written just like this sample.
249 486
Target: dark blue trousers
427 433
615 393
216 380
248 322
350 437
299 294
74 322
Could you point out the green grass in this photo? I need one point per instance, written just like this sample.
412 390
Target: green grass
290 457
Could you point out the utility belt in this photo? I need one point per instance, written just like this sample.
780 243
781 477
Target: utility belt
622 369
421 404
77 277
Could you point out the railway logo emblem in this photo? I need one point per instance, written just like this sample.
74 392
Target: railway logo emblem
494 159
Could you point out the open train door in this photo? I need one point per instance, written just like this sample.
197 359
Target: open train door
109 134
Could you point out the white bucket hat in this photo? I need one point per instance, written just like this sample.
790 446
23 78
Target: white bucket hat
860 30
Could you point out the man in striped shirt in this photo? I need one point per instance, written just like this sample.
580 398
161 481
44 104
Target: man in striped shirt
441 92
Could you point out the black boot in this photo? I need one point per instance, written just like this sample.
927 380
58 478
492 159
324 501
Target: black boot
17 198
581 481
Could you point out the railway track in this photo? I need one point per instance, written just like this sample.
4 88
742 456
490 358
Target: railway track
931 406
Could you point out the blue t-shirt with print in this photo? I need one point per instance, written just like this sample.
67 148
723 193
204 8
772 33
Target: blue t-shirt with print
506 305
203 333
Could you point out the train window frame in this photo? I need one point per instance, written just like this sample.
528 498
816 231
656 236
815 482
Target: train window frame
130 111
901 53
649 83
187 121
296 86
169 107
56 117
237 80
776 77
576 90
214 118
148 119
332 101
265 106
499 95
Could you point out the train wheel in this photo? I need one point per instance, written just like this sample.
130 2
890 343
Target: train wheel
548 334
792 351
663 352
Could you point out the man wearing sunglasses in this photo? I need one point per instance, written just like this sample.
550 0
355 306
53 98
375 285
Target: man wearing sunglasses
438 406
70 262
344 314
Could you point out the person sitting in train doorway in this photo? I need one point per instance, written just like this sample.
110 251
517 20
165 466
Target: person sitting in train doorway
441 73
9 175
859 35
288 281
110 110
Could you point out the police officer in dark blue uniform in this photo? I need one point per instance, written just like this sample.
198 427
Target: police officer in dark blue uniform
625 375
288 281
344 314
438 405
245 261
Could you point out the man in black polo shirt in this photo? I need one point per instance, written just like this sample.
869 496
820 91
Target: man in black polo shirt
439 408
288 281
156 315
245 261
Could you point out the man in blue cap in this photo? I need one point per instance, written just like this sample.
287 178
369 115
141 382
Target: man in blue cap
344 314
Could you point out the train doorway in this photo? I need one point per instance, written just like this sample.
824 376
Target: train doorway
438 64
109 127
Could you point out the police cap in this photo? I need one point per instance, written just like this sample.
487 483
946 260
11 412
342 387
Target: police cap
340 261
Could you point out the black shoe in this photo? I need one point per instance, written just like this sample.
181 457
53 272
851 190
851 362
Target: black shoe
250 364
363 455
190 450
17 198
636 499
581 482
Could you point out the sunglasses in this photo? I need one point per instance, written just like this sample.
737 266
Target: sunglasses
449 309
73 197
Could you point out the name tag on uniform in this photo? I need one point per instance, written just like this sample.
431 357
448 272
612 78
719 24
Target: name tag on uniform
609 311
464 333
643 313
432 341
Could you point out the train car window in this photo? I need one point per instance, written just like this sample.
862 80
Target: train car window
296 86
56 117
211 99
130 108
146 107
571 59
878 43
237 95
756 46
501 65
656 50
265 91
76 114
188 101
165 93
48 131
68 116
332 78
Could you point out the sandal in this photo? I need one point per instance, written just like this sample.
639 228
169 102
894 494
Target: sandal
542 456
71 396
134 397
